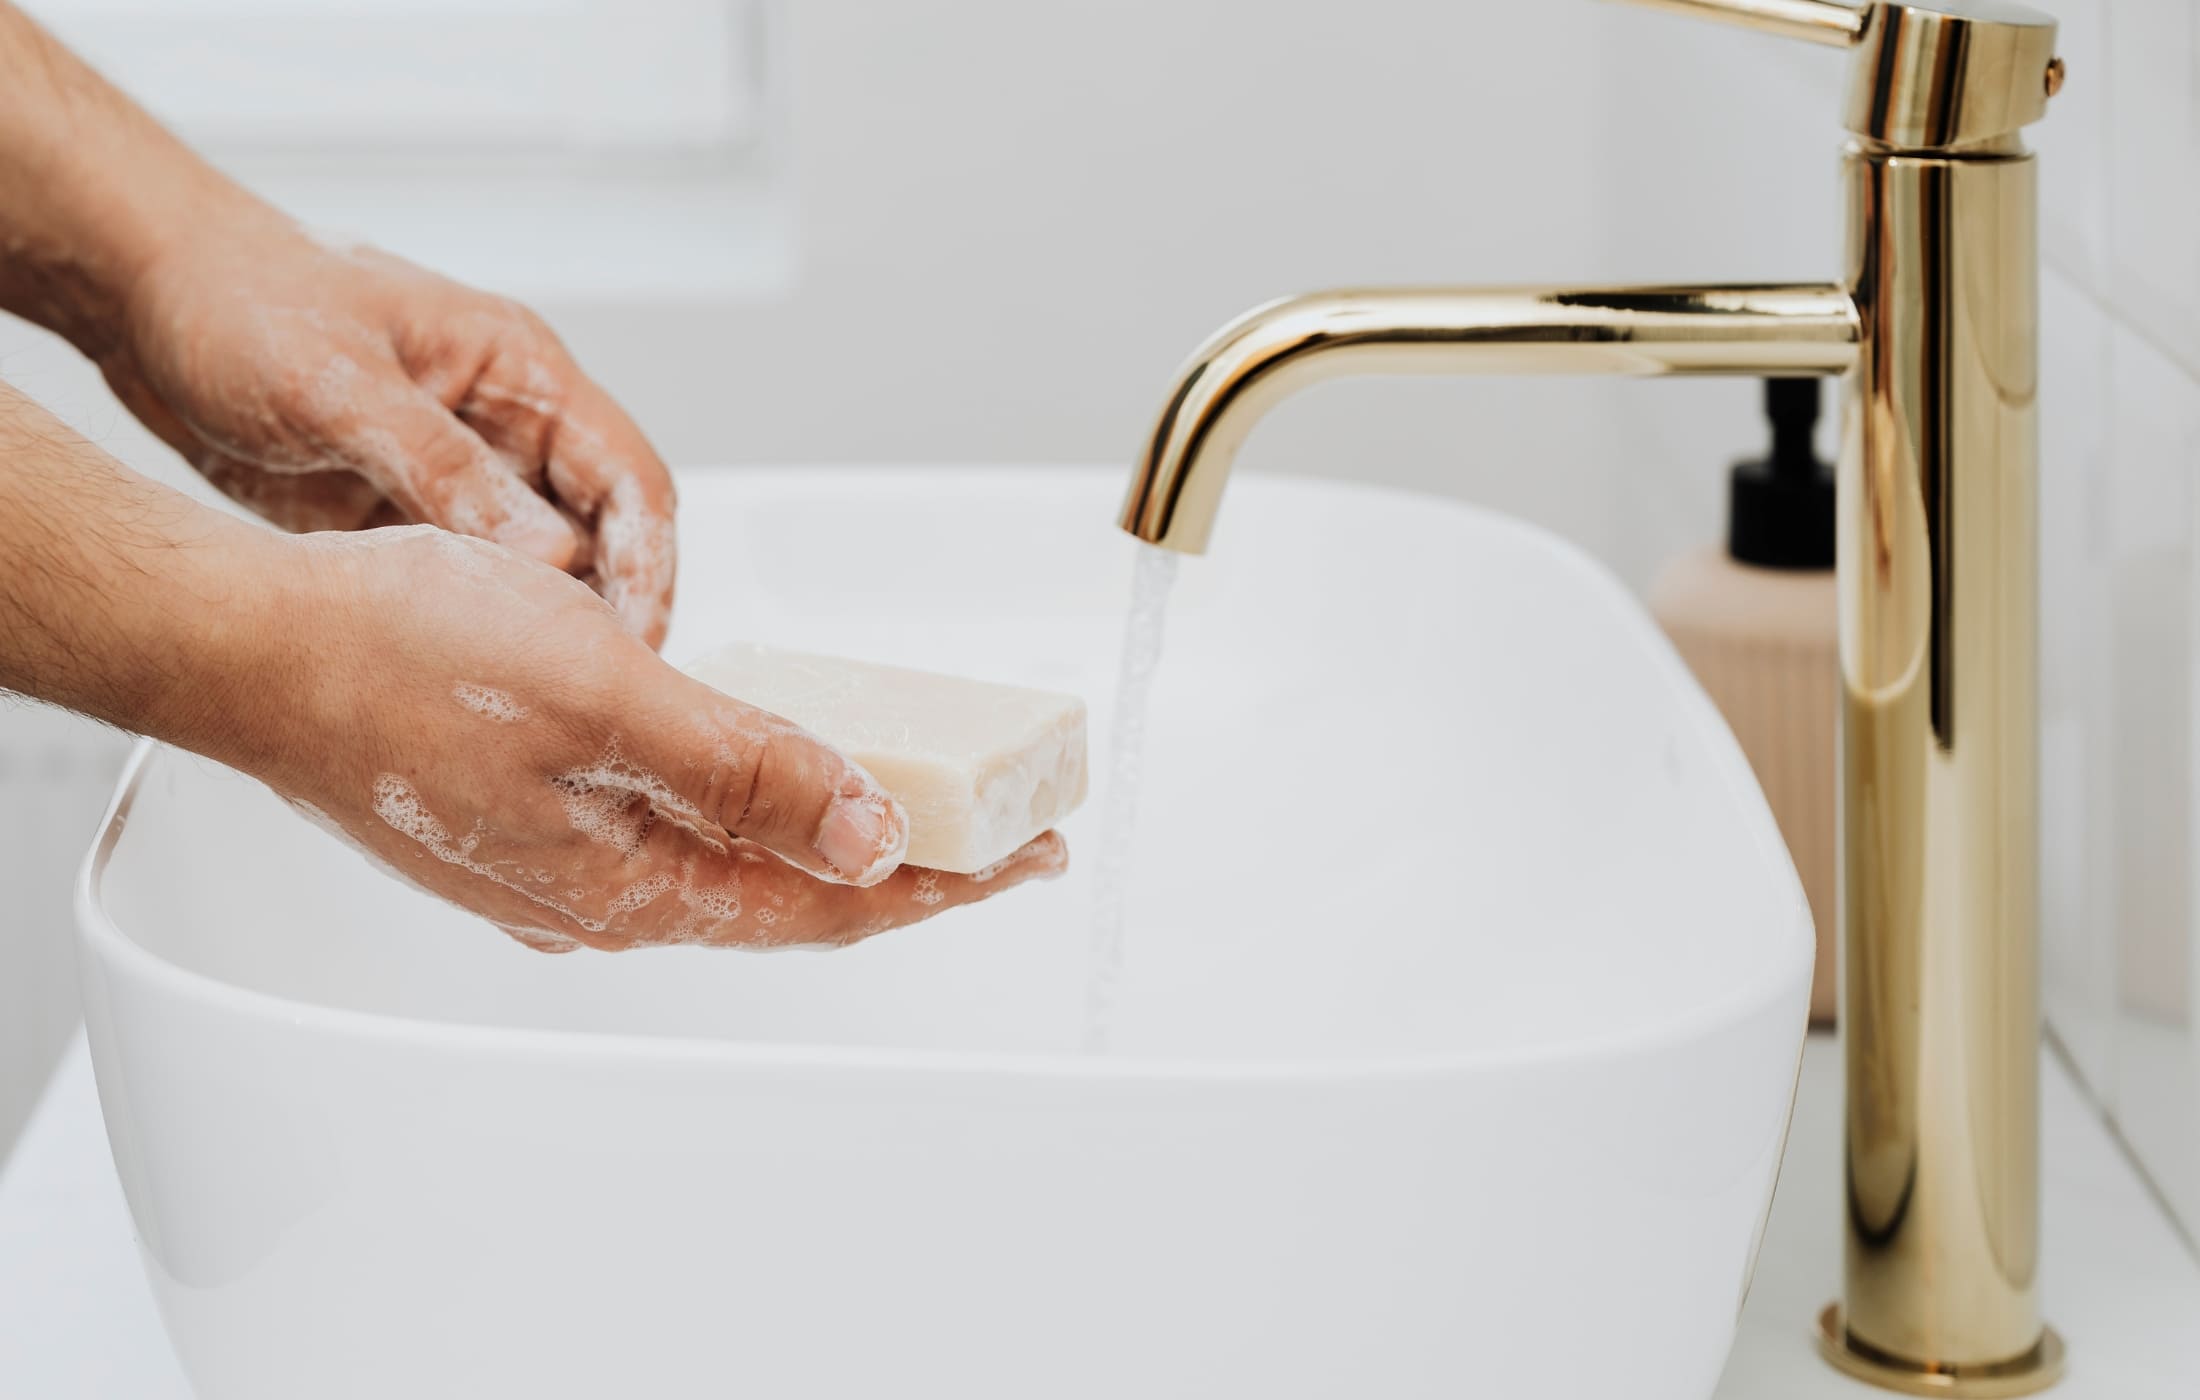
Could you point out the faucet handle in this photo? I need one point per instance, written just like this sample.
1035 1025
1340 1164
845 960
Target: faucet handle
1928 75
1819 21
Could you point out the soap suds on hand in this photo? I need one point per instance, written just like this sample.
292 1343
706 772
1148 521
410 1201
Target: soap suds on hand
490 704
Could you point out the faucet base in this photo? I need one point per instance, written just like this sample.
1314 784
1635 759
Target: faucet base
2035 1370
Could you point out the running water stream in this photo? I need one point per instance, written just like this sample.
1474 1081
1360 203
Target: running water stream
1153 575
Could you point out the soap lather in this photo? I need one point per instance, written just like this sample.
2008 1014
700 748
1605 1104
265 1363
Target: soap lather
980 768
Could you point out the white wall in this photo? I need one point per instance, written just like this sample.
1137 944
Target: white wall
1016 219
2122 308
1719 158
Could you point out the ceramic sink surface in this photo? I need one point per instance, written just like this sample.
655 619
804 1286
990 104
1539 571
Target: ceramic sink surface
1455 1046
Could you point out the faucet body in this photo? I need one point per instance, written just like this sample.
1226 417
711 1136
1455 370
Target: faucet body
1934 329
1937 560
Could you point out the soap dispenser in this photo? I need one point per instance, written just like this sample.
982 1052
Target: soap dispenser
1756 620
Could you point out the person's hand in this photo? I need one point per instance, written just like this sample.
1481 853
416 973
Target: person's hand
341 388
479 723
472 717
326 387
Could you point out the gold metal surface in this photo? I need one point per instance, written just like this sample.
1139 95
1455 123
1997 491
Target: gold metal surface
1817 21
2028 1374
1940 77
1232 381
1926 76
1935 325
1937 563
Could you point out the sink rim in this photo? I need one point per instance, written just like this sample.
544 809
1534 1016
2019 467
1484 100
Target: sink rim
102 937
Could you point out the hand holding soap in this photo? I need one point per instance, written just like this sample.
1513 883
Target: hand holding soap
979 768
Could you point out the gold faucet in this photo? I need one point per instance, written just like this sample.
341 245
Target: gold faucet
1934 326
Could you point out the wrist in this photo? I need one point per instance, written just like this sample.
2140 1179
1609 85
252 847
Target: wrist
100 224
250 654
125 237
132 603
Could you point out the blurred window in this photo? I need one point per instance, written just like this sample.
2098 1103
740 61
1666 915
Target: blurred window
546 78
548 148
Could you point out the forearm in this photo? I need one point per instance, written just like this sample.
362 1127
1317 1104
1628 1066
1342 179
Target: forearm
129 602
90 185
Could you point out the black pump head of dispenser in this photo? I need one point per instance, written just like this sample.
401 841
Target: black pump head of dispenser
1780 509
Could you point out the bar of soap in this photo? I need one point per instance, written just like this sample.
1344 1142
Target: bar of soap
980 768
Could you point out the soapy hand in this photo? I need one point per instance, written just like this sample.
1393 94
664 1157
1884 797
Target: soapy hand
488 732
340 388
471 716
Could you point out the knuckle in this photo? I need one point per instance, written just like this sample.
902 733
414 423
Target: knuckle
734 791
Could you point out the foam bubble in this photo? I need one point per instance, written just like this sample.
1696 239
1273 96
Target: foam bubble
401 809
600 802
492 705
707 912
639 893
608 816
636 553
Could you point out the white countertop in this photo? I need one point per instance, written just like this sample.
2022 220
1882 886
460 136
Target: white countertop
77 1321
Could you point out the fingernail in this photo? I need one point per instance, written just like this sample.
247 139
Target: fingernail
863 837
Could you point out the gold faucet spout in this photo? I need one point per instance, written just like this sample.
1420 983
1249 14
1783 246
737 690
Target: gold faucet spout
1232 381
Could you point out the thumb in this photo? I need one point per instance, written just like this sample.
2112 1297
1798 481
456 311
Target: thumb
729 767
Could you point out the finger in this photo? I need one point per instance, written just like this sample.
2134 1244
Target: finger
725 769
541 940
514 402
603 470
440 473
836 916
549 422
743 897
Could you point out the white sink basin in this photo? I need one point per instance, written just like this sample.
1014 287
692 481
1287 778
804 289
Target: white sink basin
1465 991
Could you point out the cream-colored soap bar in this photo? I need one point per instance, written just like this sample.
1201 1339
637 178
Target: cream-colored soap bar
980 768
